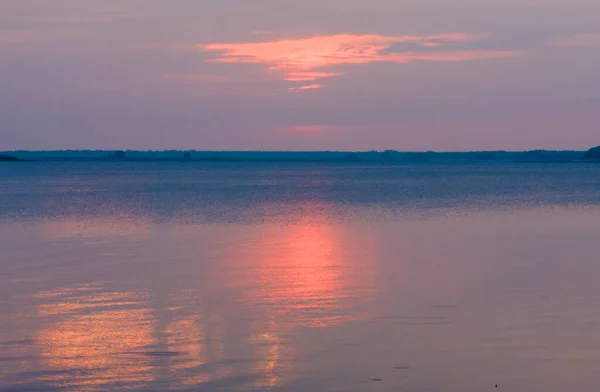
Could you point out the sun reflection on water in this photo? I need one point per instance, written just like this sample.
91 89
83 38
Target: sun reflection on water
299 275
306 273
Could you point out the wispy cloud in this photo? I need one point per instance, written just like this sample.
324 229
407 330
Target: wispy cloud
85 18
304 128
66 26
592 39
308 76
304 59
38 41
320 128
14 37
308 87
194 78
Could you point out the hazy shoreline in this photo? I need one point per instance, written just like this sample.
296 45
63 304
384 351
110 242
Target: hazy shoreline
567 156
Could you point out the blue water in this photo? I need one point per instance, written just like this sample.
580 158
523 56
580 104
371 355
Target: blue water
294 277
240 192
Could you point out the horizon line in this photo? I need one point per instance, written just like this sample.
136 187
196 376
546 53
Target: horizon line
287 151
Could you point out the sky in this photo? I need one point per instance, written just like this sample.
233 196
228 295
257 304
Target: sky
412 75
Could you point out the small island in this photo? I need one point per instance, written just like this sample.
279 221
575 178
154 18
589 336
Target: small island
9 158
593 153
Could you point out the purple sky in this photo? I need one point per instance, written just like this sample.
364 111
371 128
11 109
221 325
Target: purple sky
300 74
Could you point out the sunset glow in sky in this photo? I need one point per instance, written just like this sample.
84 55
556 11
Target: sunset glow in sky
299 74
301 59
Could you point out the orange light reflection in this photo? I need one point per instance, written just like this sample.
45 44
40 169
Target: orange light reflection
299 275
196 338
94 338
307 273
273 356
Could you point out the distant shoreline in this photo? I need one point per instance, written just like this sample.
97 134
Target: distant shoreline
389 156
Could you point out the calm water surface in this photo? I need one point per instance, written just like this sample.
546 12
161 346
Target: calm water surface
231 277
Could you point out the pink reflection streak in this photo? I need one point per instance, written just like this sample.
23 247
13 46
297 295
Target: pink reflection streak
302 59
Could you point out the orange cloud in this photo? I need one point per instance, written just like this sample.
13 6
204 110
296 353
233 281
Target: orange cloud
301 59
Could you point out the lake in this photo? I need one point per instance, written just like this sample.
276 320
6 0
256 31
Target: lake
299 277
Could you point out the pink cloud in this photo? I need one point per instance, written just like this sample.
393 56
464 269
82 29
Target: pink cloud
308 76
309 87
302 59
